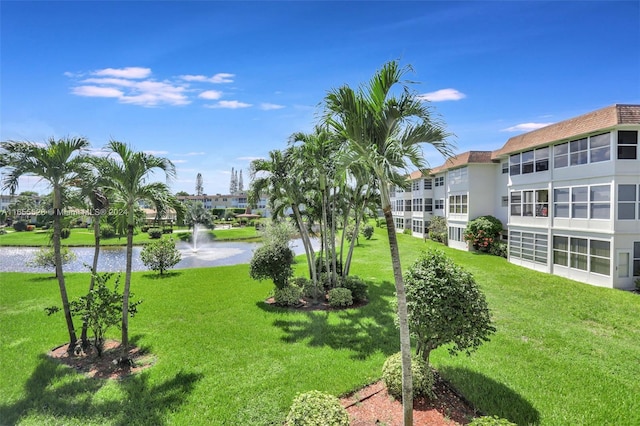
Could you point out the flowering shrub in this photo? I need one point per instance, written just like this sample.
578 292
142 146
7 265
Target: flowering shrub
482 233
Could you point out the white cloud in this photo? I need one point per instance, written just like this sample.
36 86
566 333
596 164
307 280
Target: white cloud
210 94
229 105
269 107
192 154
128 72
97 92
179 161
222 77
442 95
152 152
526 127
250 158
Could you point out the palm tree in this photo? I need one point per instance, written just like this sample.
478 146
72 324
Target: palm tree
128 172
60 163
384 130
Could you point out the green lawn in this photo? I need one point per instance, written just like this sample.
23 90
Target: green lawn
565 352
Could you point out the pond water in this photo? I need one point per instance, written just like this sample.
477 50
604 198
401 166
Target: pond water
113 259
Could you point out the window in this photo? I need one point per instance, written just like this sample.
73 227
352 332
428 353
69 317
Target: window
600 148
505 167
528 246
455 233
530 203
407 205
428 204
627 144
579 202
561 202
415 185
514 165
399 222
542 203
600 202
505 201
583 254
417 204
561 155
458 204
542 159
627 197
440 181
579 152
439 204
578 253
527 203
560 251
599 257
428 183
636 259
527 162
516 203
417 226
458 175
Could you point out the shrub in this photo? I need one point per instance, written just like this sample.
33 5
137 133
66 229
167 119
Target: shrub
107 231
349 232
499 249
380 222
45 257
272 261
154 233
316 408
3 231
438 229
482 232
407 231
445 306
307 287
367 231
20 225
65 233
288 295
321 266
423 378
30 227
490 421
340 297
160 255
359 288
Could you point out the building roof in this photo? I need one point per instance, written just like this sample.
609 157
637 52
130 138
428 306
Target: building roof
591 122
463 159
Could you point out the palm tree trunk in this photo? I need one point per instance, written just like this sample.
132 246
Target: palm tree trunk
57 253
125 296
325 230
345 221
306 242
352 244
405 340
334 273
94 271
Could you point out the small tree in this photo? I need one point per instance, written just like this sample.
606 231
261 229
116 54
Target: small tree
438 229
272 261
45 258
483 232
160 255
445 306
101 309
367 231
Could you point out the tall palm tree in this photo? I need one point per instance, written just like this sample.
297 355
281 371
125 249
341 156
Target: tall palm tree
60 163
384 129
128 172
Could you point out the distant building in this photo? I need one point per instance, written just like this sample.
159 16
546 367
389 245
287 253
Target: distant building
568 195
227 201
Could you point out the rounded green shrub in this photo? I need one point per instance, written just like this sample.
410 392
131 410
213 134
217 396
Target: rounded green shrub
367 231
308 289
340 297
423 378
359 288
490 421
20 225
107 231
288 295
65 233
155 233
316 408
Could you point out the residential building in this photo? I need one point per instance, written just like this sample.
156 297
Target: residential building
226 201
568 195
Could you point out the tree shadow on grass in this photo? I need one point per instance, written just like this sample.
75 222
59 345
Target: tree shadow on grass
165 275
491 397
364 330
41 278
58 392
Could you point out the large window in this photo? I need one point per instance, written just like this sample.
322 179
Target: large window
627 144
583 254
528 246
592 149
428 183
407 205
458 204
415 185
458 175
530 203
628 202
439 204
582 202
417 204
529 162
456 233
439 181
428 204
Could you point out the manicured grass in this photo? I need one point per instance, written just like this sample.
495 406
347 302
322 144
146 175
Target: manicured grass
564 353
80 237
245 233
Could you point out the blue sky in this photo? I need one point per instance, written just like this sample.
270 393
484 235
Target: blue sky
213 85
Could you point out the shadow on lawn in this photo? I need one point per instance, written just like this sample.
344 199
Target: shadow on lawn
59 392
364 330
491 397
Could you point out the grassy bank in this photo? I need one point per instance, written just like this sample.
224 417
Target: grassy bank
565 352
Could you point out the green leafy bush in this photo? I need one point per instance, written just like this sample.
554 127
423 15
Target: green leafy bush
272 261
107 231
482 232
407 231
499 249
423 378
45 257
490 421
316 408
340 297
438 230
160 255
307 287
155 233
359 288
65 233
321 266
445 306
288 295
20 225
349 232
367 232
